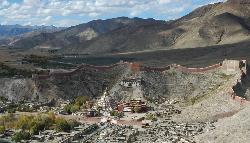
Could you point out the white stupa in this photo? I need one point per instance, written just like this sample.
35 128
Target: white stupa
106 102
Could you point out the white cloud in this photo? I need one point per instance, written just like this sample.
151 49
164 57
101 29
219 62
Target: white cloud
164 1
216 1
52 11
67 22
48 18
94 14
4 3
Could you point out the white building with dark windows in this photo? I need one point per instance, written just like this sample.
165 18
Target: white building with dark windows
131 82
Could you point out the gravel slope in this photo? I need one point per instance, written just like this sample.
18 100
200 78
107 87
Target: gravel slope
235 129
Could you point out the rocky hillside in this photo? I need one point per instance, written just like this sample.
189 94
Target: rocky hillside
214 24
221 23
18 89
84 34
157 84
86 81
232 129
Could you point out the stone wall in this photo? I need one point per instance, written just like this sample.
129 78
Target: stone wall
197 70
79 69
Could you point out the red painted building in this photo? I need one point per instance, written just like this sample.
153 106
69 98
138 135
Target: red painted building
132 106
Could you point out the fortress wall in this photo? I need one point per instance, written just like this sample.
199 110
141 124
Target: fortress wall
159 69
182 68
228 65
242 100
232 65
131 65
197 70
60 74
238 98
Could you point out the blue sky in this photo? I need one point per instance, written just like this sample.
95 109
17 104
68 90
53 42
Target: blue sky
73 12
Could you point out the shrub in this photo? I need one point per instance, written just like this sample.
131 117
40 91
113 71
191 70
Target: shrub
24 122
36 127
151 116
2 129
137 109
74 108
67 108
81 100
40 123
73 123
116 113
21 136
3 99
62 125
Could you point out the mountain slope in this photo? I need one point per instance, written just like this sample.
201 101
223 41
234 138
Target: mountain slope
78 36
214 24
10 31
221 23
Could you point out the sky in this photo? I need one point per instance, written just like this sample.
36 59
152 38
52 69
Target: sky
65 13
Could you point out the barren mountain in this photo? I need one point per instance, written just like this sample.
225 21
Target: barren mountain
214 24
82 35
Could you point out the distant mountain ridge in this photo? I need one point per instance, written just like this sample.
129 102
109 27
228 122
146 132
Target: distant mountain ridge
10 31
83 34
213 24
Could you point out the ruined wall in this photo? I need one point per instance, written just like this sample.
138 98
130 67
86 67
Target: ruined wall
230 66
239 89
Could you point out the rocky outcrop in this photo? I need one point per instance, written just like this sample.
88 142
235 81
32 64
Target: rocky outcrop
174 84
17 89
86 80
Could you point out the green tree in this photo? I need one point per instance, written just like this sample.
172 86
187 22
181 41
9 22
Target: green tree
114 113
2 129
52 116
24 122
40 123
137 109
67 108
151 116
36 127
81 100
3 99
62 125
75 108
